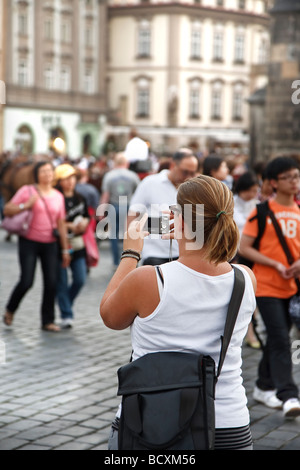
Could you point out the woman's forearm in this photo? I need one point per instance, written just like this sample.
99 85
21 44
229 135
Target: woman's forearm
62 230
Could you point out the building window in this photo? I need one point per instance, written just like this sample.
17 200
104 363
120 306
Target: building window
144 39
66 31
49 77
23 73
89 35
65 78
218 44
23 24
237 102
48 31
194 99
196 37
220 3
88 79
143 98
216 100
239 46
242 4
263 51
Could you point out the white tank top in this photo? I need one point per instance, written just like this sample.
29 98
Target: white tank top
191 318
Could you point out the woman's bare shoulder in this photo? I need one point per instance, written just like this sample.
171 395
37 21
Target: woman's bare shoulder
251 274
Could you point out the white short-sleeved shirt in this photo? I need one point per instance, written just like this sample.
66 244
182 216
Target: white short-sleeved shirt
153 195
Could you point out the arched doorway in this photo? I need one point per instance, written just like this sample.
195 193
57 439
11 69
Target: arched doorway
86 144
24 140
57 141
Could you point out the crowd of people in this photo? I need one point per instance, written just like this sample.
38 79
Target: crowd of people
161 308
176 282
63 206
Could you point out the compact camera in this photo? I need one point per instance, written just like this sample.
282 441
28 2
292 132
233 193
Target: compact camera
158 225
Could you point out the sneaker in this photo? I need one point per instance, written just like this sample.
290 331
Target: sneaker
291 408
268 398
66 323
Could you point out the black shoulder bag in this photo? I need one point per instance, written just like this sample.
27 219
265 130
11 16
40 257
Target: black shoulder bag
168 398
294 306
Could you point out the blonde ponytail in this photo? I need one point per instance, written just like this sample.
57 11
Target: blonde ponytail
221 235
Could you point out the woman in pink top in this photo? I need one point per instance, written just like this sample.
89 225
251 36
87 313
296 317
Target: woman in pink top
48 207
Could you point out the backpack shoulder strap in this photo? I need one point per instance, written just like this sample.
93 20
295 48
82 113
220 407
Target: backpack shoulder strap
261 216
233 310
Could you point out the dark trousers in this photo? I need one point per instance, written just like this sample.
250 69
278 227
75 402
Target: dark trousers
275 368
29 252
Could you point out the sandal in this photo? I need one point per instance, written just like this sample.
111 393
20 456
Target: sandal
8 318
51 327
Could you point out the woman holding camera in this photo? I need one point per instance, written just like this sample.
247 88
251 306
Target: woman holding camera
48 222
187 311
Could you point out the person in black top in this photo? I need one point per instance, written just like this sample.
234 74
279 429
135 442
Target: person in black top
77 220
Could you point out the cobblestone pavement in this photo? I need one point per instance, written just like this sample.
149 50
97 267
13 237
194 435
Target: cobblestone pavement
58 391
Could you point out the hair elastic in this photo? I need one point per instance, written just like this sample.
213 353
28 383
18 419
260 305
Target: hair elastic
219 214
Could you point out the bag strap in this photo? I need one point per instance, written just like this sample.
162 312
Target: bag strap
233 310
46 207
283 243
261 216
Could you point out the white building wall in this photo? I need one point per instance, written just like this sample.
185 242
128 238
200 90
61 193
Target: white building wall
14 118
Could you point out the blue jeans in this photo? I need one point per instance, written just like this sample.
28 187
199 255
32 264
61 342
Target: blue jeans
117 221
66 294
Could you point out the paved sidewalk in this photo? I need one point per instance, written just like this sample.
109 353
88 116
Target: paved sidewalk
58 391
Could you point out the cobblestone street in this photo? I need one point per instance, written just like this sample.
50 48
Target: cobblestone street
58 391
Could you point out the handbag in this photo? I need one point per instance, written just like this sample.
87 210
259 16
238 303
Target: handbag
19 224
91 247
168 398
294 305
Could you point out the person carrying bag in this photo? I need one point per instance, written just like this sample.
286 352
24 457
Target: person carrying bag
19 224
181 392
177 314
294 305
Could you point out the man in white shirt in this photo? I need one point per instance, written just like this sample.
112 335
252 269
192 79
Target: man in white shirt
154 195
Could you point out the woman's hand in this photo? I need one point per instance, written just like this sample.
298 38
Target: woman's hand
281 269
66 260
293 270
171 234
134 237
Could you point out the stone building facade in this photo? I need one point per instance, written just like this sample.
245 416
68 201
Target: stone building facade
282 103
180 72
54 75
